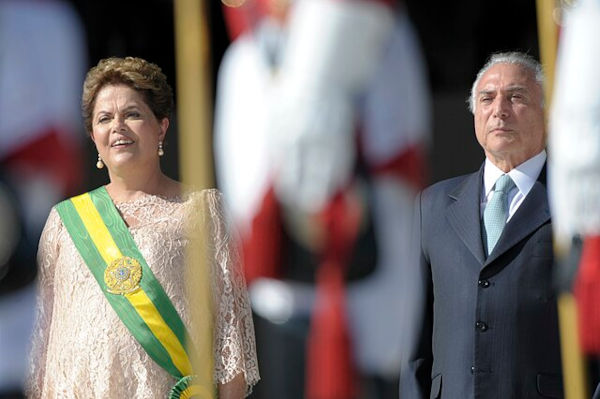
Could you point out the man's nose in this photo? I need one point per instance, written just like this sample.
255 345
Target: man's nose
501 107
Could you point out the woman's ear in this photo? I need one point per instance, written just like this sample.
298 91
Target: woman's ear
164 125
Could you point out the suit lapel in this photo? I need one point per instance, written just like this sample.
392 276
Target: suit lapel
464 214
533 212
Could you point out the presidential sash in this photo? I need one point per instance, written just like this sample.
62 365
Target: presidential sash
108 249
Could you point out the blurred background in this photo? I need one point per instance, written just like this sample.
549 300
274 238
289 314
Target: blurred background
456 39
380 125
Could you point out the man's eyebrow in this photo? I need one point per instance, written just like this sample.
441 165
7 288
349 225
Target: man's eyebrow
484 92
516 88
510 89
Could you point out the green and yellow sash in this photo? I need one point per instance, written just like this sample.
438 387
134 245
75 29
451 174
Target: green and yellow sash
108 249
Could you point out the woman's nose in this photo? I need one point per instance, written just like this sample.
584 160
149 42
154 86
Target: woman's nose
118 124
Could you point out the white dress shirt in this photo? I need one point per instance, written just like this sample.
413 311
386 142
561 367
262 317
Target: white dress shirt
525 175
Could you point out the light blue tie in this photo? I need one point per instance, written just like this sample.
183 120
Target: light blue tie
496 212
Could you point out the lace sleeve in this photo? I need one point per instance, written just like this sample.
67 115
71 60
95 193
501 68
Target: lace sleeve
46 257
234 344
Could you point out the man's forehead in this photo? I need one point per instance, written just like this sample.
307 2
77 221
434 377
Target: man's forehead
504 75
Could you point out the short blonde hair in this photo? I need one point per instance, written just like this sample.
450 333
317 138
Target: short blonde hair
143 76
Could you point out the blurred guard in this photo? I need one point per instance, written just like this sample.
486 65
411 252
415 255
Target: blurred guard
17 271
575 172
42 59
321 119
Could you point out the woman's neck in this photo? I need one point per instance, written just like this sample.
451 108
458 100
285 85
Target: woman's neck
127 187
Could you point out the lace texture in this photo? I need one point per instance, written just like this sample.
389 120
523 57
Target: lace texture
81 349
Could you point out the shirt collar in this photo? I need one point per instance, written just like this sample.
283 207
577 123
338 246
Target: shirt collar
524 175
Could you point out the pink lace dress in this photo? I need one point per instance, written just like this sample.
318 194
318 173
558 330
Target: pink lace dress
81 349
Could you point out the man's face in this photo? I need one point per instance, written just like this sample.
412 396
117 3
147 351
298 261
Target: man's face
509 117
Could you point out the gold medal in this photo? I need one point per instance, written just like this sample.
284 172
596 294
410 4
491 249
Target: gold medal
123 276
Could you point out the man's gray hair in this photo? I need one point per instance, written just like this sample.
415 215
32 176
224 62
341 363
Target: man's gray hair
512 57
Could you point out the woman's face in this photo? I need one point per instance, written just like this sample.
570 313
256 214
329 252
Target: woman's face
125 130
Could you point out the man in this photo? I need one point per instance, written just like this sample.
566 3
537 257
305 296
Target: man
479 308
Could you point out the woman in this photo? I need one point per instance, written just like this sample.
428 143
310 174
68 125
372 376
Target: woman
112 314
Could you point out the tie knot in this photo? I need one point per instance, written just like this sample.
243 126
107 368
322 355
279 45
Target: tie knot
504 184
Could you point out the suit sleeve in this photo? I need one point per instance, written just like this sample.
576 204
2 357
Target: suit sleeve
417 313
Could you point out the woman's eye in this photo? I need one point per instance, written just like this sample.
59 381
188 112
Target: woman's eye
133 114
103 119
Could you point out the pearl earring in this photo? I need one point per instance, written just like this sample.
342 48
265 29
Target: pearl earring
99 164
160 149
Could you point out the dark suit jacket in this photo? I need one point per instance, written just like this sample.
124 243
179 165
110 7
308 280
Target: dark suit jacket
480 327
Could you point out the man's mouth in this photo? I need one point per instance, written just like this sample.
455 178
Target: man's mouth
500 130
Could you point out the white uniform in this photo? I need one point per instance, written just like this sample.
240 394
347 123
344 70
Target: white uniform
342 66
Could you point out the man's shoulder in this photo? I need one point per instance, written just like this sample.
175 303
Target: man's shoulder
447 186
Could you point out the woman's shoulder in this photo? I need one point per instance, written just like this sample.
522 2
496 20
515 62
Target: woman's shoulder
53 231
208 203
56 210
209 197
204 194
53 217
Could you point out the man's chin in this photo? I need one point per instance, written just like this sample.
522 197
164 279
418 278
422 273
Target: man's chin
502 146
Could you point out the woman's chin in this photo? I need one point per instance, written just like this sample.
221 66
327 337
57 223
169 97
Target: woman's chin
127 163
123 161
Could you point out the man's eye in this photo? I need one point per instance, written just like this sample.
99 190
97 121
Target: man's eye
486 99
